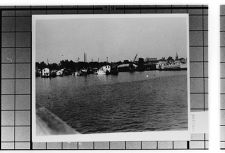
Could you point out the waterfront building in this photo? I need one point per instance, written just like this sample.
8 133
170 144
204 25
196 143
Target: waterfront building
150 59
45 72
150 66
161 64
150 63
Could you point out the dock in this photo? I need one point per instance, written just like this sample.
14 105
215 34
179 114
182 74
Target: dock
48 123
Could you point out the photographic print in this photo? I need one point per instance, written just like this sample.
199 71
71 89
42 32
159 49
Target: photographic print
110 77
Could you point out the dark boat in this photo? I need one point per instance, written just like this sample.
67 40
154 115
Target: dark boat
53 74
82 72
114 71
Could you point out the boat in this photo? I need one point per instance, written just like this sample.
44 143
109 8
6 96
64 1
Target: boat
100 72
53 74
82 72
60 72
104 70
172 67
129 67
114 70
183 66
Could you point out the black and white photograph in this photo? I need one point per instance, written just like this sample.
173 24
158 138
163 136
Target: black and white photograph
110 77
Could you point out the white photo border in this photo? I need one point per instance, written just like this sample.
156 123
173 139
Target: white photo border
183 135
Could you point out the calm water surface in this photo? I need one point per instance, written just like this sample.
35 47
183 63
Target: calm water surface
129 102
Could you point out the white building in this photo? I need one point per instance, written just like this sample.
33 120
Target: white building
45 72
161 65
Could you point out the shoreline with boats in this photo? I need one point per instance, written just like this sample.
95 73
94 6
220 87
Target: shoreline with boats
65 67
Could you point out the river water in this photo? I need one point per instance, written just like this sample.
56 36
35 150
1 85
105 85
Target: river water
129 102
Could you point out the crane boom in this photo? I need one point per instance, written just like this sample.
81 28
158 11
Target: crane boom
135 57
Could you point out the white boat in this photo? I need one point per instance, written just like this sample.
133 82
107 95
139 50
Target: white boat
104 70
183 66
100 72
59 72
172 66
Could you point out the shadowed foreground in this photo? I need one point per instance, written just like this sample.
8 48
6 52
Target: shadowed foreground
49 124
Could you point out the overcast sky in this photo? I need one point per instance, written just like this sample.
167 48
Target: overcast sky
115 38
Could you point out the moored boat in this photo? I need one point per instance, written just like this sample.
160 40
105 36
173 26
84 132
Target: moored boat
82 72
104 70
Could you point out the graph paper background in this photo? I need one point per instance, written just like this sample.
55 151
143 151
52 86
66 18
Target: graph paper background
16 74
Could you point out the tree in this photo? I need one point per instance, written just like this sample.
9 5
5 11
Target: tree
170 59
41 65
54 66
